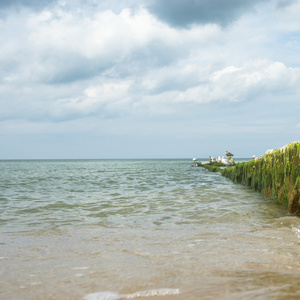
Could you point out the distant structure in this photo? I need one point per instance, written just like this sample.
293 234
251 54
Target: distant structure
228 154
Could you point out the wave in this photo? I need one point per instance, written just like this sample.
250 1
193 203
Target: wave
116 296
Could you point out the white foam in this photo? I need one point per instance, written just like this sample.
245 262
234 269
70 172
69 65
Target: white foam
116 296
151 293
102 296
296 231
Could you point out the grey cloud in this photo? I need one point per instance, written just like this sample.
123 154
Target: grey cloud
63 68
157 54
179 13
176 82
91 5
70 69
35 4
285 3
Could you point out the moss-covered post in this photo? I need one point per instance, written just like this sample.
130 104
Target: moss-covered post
275 175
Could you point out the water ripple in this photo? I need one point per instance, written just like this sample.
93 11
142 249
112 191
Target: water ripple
145 193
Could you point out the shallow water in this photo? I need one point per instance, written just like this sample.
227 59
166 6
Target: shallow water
159 229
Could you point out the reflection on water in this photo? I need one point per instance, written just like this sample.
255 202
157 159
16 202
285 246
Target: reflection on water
158 229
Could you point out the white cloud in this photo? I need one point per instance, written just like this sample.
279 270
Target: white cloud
248 82
83 64
59 57
57 46
109 96
252 79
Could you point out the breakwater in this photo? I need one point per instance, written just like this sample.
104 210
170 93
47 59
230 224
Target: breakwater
276 175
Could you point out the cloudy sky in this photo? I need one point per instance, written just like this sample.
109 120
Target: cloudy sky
148 78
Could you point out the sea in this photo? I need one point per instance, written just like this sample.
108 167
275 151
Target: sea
140 229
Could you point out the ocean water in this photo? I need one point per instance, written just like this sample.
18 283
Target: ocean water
140 229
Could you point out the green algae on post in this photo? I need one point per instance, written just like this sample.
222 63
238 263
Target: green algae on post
276 175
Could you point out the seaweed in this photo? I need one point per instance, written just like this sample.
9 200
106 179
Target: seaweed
275 175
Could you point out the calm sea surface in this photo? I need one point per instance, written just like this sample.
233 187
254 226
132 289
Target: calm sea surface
140 229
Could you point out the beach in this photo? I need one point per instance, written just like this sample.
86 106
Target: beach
125 229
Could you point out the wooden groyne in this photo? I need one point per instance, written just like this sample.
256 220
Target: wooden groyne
276 175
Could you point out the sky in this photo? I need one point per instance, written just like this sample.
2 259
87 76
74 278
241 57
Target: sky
92 79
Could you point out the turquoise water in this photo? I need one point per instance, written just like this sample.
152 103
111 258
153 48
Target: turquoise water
125 229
